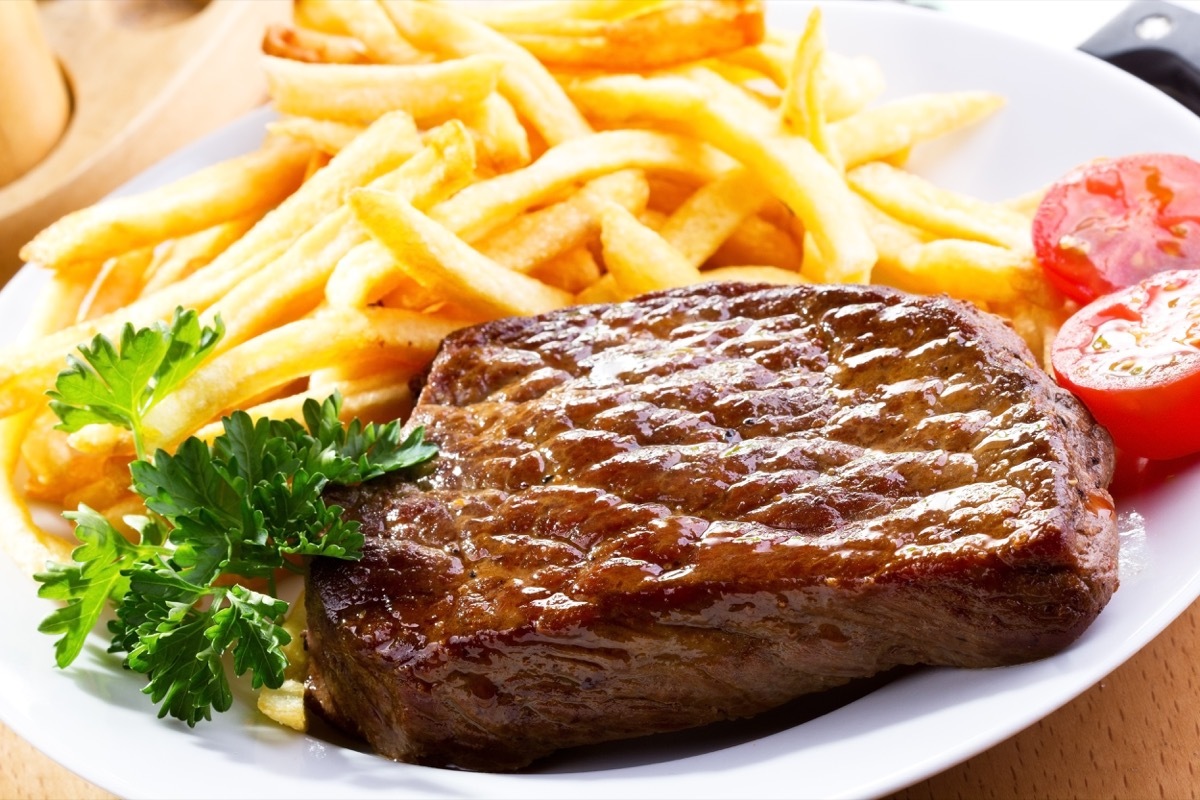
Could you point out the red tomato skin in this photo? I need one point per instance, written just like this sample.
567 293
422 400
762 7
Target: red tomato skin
1155 415
1112 222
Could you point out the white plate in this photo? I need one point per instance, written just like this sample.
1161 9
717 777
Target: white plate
1064 108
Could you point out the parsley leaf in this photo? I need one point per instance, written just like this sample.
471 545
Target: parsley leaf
99 573
119 384
238 509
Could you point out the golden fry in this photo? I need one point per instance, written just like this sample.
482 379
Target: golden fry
502 139
968 269
702 223
662 35
758 242
604 290
361 93
572 271
914 200
327 135
847 85
754 274
175 260
876 133
483 207
23 541
118 283
58 305
249 184
574 17
314 47
639 259
294 283
802 110
547 233
288 352
366 22
26 371
434 256
788 166
525 83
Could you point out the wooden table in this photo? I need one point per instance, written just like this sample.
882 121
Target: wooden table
1134 735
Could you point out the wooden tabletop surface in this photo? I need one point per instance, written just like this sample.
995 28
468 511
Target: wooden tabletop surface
1136 734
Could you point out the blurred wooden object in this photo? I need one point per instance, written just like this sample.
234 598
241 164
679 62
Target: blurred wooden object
34 104
145 78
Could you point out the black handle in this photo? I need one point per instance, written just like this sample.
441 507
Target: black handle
1158 42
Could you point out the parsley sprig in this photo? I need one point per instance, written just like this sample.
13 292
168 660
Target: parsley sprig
222 519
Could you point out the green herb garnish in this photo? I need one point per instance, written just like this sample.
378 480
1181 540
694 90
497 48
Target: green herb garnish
219 516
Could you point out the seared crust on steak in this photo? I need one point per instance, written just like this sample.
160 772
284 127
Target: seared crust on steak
700 504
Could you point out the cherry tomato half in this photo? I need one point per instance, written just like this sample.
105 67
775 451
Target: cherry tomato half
1133 358
1112 222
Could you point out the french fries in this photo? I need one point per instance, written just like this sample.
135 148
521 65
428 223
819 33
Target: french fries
436 166
250 184
637 37
788 166
360 93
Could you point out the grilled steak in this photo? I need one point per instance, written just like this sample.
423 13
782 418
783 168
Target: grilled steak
699 505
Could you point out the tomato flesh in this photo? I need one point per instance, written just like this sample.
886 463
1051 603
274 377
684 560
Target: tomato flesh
1112 222
1133 358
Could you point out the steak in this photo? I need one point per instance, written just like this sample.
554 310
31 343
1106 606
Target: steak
699 505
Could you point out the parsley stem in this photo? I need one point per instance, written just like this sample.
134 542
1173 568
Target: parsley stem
139 447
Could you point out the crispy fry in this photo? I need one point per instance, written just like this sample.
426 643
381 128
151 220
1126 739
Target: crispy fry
286 705
802 110
367 399
361 93
117 284
524 81
661 35
572 271
543 235
294 284
668 192
54 468
639 259
314 47
292 351
175 260
556 17
365 21
915 200
483 207
702 223
760 243
58 305
434 256
848 85
753 274
969 269
110 486
892 238
788 166
26 371
23 541
604 290
328 136
879 132
501 137
249 184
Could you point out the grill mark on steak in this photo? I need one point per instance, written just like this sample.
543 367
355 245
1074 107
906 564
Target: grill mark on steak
699 505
